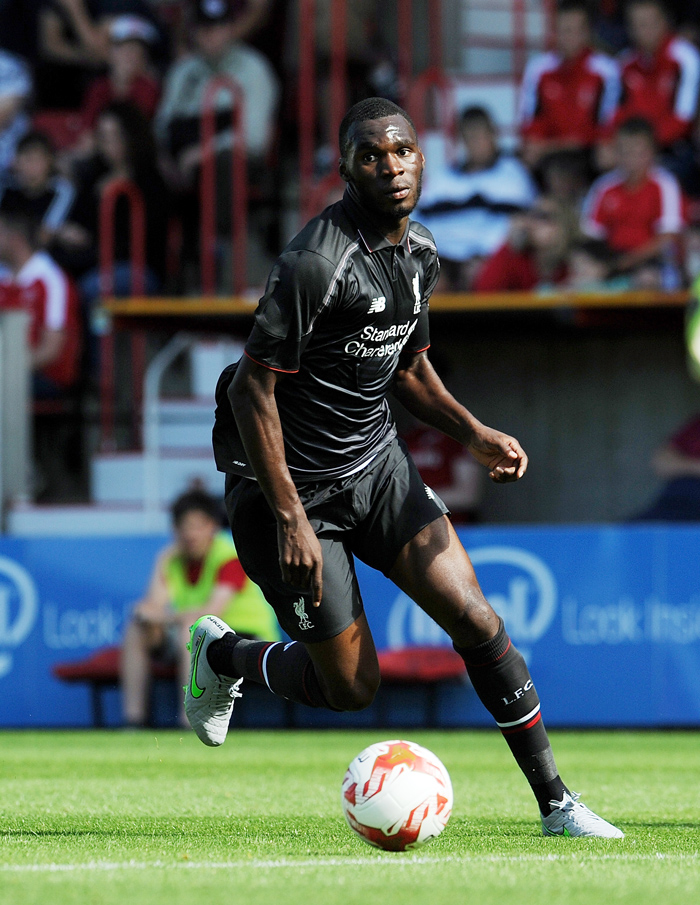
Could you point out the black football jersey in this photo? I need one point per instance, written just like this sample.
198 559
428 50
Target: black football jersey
341 303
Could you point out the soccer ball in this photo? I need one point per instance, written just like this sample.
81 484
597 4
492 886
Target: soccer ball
397 795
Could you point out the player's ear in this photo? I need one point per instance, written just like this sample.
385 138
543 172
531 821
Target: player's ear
343 170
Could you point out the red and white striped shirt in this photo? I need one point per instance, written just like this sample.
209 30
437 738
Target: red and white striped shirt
43 289
628 217
568 99
662 88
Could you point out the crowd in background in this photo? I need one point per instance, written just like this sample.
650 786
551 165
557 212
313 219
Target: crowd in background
599 191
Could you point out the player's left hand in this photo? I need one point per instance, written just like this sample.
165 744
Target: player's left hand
502 455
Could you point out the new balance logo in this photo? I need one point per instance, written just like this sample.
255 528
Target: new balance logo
378 305
304 621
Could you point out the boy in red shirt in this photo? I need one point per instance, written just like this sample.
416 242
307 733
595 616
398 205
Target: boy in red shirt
638 208
660 75
35 283
568 95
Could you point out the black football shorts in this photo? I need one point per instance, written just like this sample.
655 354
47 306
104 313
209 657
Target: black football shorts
372 514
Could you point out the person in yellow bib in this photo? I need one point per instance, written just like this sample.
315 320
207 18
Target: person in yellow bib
198 574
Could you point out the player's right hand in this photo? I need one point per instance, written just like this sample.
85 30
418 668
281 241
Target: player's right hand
301 558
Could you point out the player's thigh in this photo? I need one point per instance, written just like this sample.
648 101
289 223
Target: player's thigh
255 534
347 666
433 568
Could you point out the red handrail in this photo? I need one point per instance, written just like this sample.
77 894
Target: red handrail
115 189
432 85
239 185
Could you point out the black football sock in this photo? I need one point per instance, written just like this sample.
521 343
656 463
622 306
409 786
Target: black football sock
502 681
285 668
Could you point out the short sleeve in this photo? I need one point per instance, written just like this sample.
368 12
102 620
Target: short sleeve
420 339
300 286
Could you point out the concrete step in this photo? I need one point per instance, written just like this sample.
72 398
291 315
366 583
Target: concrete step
27 520
121 477
186 423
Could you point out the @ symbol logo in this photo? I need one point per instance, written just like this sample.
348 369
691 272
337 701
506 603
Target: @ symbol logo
517 584
18 609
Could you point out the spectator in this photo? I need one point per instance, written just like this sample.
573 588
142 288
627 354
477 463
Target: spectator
567 95
677 463
565 175
535 254
74 44
35 188
15 89
198 574
217 52
124 150
638 208
447 468
130 76
36 284
468 207
660 81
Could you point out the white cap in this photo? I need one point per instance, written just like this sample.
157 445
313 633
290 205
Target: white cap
132 28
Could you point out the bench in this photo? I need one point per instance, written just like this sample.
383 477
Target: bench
424 669
101 671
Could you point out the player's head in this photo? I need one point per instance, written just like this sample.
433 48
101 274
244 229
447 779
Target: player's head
381 159
18 237
573 27
648 23
479 135
635 147
196 518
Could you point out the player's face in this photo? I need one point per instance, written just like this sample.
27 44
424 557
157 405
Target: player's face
195 534
384 167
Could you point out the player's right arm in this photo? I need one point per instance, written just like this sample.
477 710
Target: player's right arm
252 398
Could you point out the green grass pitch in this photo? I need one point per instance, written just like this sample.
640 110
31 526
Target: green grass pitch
110 818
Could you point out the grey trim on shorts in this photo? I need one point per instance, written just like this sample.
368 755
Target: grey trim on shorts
372 514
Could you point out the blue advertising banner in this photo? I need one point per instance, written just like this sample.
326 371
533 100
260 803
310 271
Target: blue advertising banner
608 619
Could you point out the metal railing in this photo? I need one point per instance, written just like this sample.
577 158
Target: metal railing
208 191
121 188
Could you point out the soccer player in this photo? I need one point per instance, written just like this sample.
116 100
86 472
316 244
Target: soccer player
316 474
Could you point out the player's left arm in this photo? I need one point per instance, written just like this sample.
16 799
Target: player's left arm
418 387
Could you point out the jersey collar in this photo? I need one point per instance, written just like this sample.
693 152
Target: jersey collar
370 236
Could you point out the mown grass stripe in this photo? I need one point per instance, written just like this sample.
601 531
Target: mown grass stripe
304 863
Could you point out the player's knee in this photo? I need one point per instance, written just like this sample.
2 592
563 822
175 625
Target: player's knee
475 622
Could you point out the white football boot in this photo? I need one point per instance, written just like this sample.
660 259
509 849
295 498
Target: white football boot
209 698
570 817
